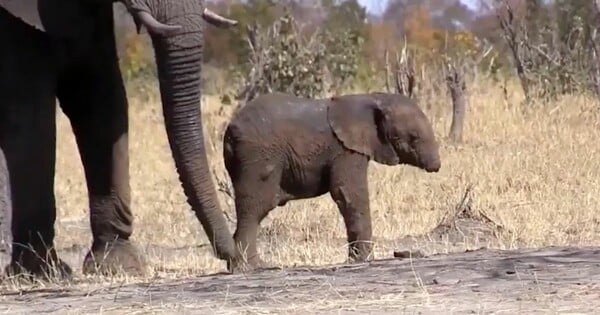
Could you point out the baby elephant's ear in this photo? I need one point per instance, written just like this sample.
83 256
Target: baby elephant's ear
358 121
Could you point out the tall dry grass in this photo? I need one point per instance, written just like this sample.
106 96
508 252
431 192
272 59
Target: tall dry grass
534 169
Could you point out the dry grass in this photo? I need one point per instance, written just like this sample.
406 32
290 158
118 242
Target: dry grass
534 170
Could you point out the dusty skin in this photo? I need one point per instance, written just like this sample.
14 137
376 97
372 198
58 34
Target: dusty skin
531 281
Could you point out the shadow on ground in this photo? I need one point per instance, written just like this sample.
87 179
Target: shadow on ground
555 279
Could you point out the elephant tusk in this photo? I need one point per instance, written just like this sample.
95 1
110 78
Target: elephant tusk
217 20
155 27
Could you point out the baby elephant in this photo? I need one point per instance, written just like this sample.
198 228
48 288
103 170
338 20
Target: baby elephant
280 147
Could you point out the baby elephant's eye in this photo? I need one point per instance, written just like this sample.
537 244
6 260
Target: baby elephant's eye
396 138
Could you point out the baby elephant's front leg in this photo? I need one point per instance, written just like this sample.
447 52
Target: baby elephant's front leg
349 190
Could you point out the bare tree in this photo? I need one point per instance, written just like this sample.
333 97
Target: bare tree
595 50
555 54
515 37
456 86
257 62
402 72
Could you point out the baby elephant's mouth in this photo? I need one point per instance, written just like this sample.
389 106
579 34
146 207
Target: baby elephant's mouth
432 165
429 164
427 158
411 156
433 168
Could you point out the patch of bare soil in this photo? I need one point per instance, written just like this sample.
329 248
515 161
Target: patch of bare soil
532 281
557 279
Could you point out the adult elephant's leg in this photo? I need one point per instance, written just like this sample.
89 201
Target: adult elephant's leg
5 206
27 138
30 155
92 95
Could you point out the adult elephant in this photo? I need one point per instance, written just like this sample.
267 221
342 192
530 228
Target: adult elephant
71 56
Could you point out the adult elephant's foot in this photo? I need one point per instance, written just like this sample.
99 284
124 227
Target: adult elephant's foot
360 252
119 256
30 264
241 265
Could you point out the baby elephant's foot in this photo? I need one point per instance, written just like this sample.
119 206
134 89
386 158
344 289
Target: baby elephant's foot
119 256
241 265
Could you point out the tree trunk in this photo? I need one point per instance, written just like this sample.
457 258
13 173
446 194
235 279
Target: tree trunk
594 49
456 86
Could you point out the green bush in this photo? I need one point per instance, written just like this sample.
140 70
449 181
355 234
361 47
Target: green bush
284 60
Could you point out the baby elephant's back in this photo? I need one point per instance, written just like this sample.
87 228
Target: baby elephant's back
280 115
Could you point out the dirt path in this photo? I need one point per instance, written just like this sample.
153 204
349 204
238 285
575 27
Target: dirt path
550 280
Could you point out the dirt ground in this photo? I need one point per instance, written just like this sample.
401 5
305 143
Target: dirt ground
531 281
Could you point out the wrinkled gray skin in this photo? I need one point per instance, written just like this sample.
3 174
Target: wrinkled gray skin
5 206
72 57
280 147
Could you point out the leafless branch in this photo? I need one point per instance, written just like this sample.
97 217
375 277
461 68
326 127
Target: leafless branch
257 60
456 86
388 70
225 187
595 50
402 72
512 34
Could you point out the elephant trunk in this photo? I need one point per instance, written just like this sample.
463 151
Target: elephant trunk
179 69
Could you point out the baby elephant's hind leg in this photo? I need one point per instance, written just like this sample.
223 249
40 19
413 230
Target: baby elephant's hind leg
255 196
349 190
